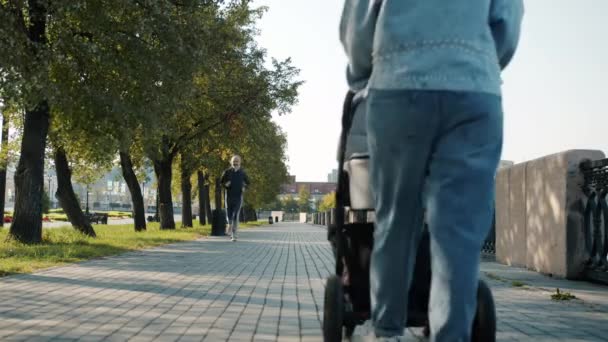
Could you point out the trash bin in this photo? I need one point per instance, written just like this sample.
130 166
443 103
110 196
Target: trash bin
269 219
218 222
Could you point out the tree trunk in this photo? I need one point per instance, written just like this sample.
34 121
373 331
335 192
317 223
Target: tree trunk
208 204
137 198
202 205
186 195
3 167
218 222
157 211
29 177
163 171
218 194
67 197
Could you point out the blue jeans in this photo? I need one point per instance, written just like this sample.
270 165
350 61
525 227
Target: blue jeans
447 144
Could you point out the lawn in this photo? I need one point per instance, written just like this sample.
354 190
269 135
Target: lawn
59 214
65 245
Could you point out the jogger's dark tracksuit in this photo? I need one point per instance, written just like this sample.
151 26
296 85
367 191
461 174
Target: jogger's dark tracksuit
234 195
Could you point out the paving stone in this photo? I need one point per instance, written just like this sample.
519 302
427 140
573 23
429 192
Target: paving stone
268 286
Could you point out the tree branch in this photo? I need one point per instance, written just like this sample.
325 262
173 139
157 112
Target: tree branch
18 12
185 138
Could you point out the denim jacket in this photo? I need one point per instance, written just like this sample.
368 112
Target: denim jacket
456 45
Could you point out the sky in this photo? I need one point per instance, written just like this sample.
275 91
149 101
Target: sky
554 91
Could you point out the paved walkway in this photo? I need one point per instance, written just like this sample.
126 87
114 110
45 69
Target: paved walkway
268 286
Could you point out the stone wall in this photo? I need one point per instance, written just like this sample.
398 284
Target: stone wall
539 214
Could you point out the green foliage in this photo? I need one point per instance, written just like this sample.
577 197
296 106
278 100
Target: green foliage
228 109
89 59
290 205
304 200
57 217
274 205
155 79
562 296
264 148
13 118
327 202
119 214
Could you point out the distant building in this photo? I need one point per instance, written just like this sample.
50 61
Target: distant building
332 177
316 189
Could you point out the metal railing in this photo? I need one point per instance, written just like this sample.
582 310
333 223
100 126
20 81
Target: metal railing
595 218
323 218
326 218
488 250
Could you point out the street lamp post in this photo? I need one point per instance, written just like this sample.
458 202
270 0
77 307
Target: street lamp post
87 207
50 177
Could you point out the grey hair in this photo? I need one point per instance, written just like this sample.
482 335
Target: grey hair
234 157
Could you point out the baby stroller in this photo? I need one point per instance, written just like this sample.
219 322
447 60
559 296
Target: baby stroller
347 298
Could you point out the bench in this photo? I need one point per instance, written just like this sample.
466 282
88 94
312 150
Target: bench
153 219
97 218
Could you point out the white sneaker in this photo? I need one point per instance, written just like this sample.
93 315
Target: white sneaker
233 239
365 333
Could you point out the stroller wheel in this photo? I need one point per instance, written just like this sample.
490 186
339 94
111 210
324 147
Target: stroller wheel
333 312
484 325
